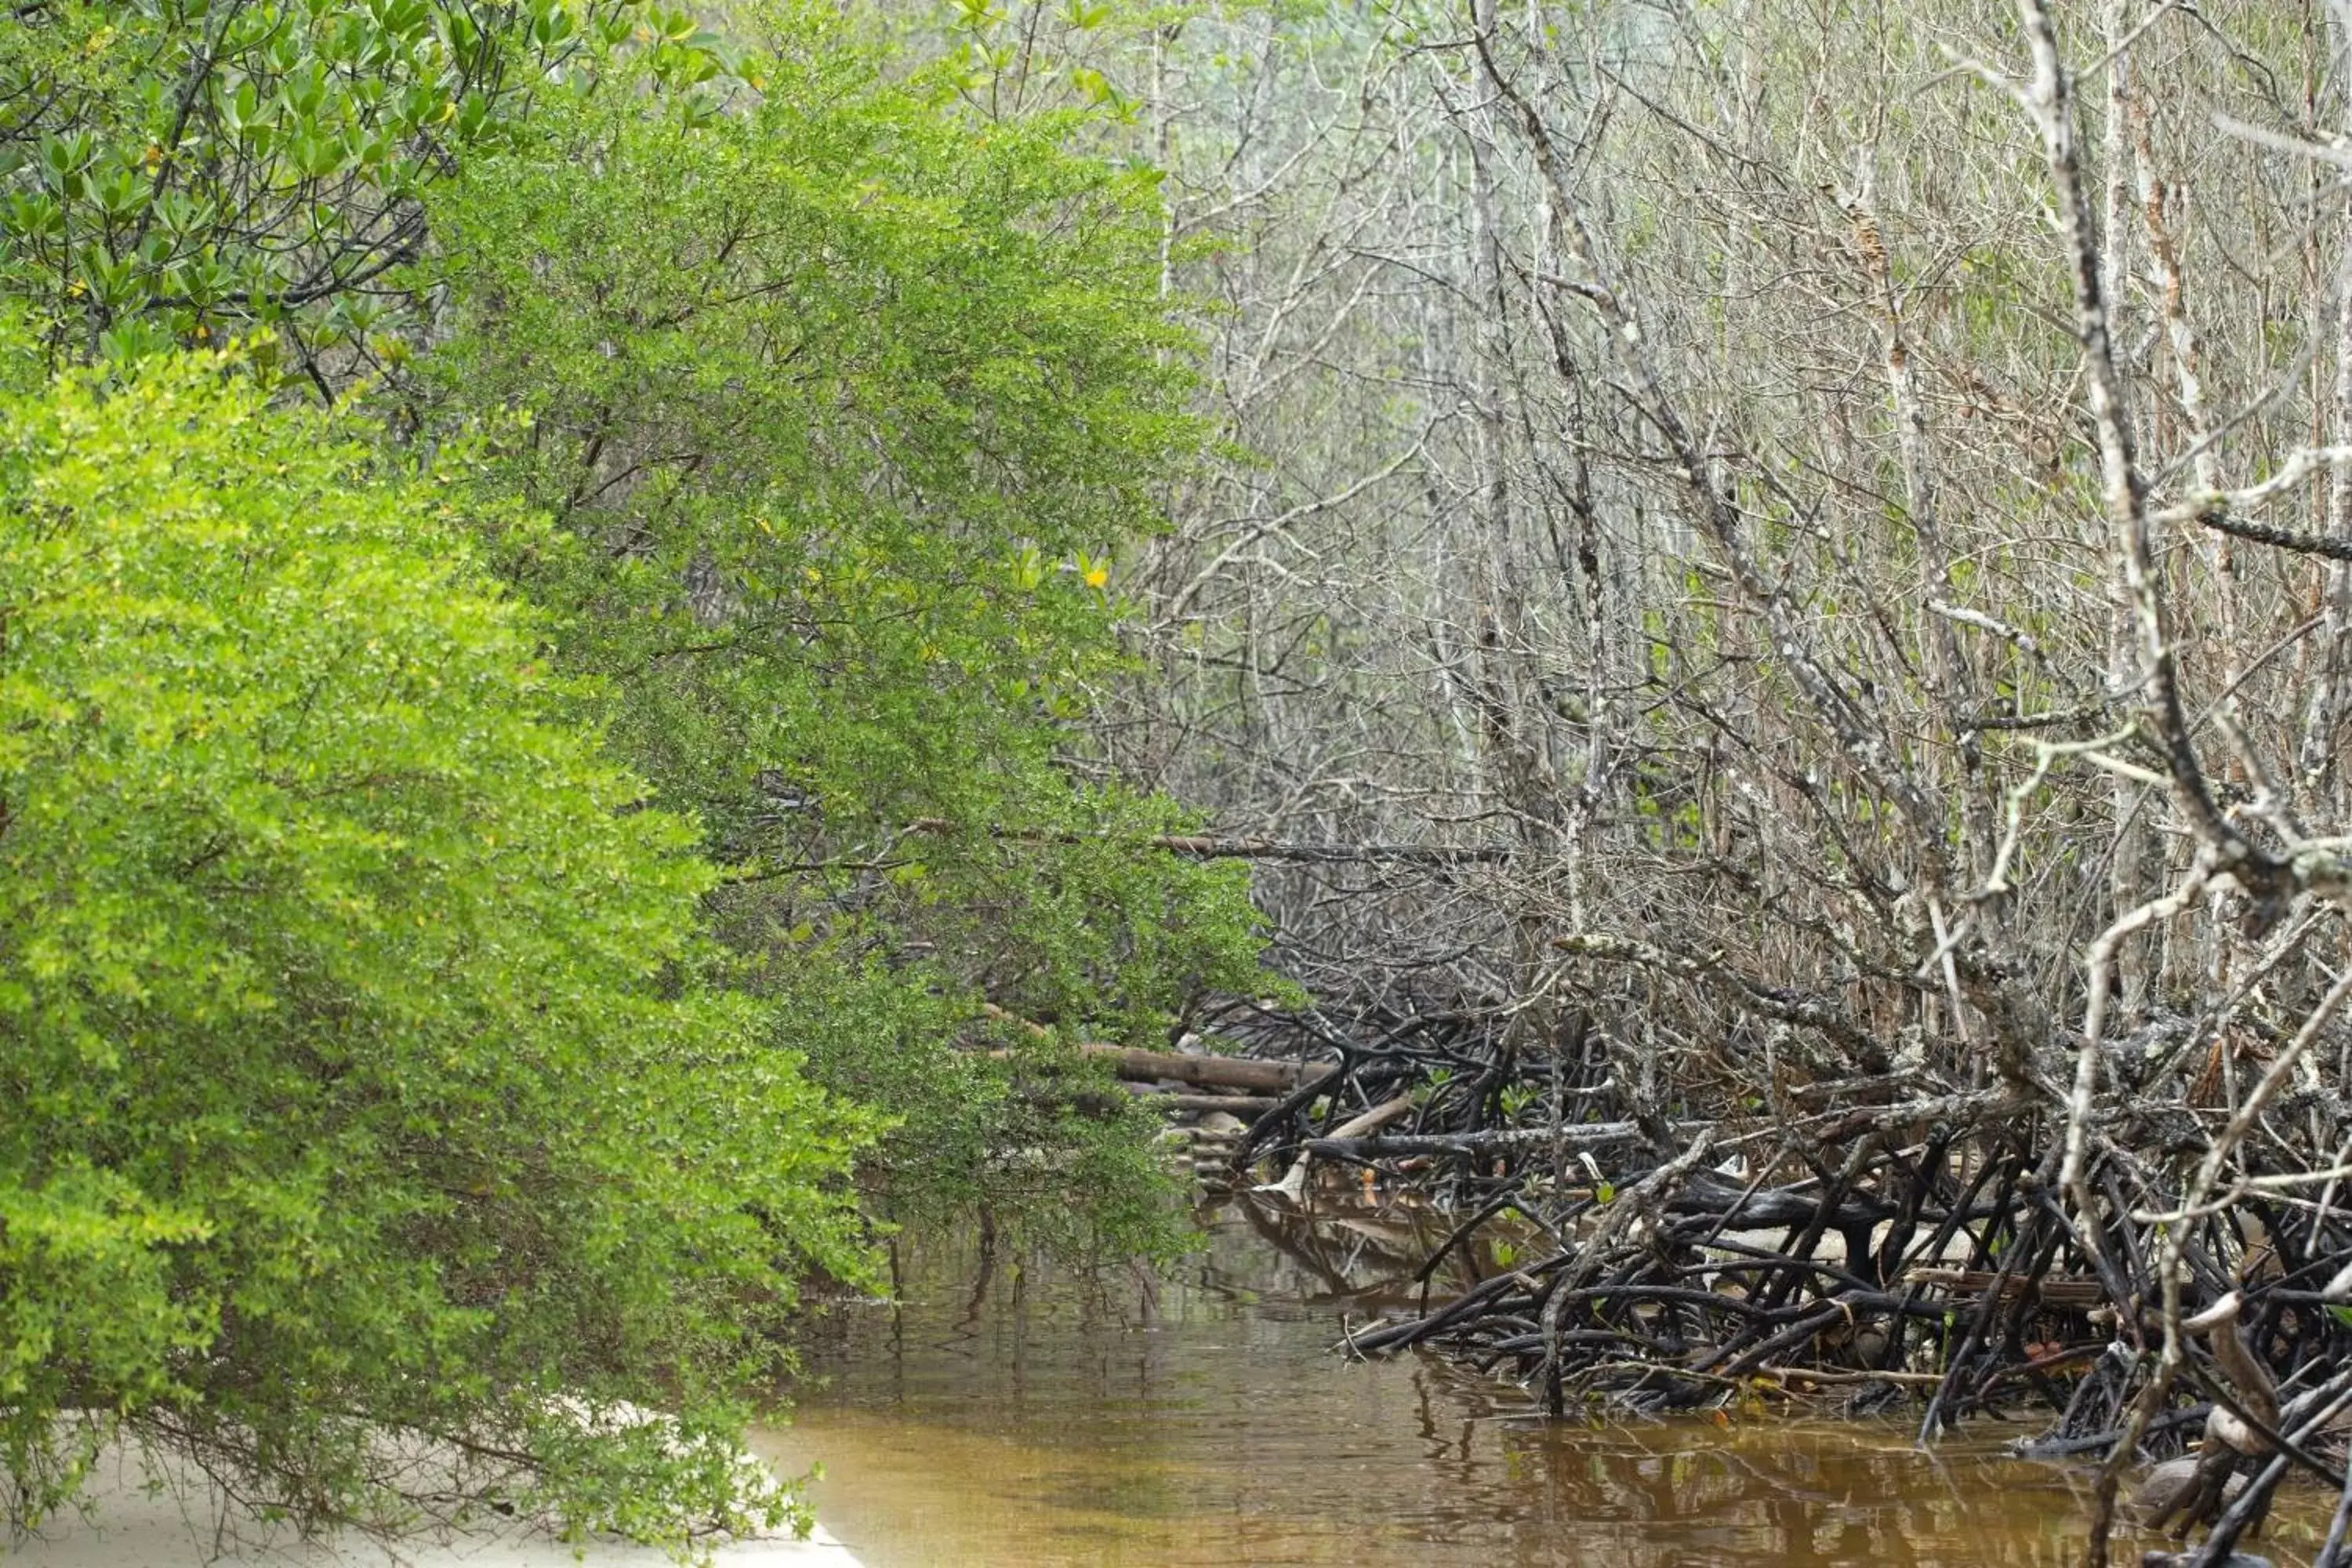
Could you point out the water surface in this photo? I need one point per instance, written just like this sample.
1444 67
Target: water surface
1001 1415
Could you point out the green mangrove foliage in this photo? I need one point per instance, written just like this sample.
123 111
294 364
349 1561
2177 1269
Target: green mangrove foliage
367 1073
481 882
843 403
179 169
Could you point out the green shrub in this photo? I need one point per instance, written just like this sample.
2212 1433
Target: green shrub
364 1084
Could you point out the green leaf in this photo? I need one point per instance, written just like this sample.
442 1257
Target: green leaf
366 1067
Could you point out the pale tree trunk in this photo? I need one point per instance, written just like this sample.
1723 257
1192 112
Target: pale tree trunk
2159 206
2315 758
1523 779
2137 866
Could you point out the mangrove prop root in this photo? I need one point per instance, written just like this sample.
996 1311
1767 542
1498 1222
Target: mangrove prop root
1886 1236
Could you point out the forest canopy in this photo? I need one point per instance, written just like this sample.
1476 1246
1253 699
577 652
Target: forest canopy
370 1068
552 562
1764 592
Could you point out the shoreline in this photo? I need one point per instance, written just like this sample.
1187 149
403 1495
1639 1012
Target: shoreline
179 1522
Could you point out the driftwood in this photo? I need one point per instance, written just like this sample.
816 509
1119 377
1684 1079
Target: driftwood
1208 1072
1245 1073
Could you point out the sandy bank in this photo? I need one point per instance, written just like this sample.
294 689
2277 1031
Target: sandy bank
180 1529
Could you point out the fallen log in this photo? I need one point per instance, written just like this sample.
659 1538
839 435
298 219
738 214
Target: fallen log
1208 1072
1247 1073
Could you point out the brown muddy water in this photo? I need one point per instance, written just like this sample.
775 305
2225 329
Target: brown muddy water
1001 1415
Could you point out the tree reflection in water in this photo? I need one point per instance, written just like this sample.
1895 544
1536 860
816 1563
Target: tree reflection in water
1043 1418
